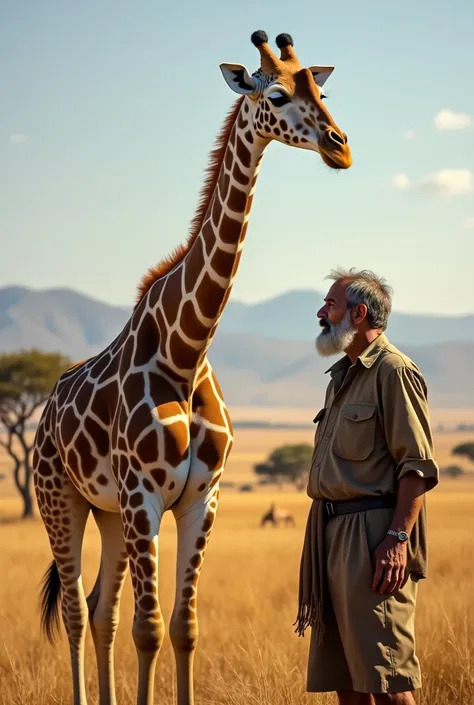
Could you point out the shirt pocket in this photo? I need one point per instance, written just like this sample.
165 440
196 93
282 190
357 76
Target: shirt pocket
355 436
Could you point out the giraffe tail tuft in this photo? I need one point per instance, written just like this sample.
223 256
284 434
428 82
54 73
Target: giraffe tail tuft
49 602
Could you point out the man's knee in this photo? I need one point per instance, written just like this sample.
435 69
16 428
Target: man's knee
350 697
395 699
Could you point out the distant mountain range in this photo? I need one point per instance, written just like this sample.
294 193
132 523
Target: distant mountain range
292 316
263 353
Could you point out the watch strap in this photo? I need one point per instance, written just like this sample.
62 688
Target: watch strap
400 535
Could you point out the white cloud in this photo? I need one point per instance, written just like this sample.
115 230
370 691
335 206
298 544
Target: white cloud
446 182
449 120
18 138
409 135
469 224
449 182
400 181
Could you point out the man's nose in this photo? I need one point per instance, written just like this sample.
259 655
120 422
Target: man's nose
321 313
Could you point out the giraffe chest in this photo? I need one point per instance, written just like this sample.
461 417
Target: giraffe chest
158 445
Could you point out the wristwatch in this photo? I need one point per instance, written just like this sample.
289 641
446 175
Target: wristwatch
401 535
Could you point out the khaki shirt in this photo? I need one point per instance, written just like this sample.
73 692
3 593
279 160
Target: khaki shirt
374 427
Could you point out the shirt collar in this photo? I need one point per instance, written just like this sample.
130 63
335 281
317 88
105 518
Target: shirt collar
367 358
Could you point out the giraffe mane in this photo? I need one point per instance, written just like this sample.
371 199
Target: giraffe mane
211 175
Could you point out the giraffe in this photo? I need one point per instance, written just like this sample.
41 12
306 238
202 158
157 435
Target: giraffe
142 427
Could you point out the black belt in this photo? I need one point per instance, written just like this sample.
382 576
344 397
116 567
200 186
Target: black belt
361 504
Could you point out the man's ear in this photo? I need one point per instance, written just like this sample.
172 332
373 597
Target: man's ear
359 313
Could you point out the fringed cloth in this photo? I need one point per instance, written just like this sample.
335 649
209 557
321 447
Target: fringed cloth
313 591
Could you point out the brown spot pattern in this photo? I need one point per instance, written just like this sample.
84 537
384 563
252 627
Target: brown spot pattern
134 389
243 153
159 475
237 200
147 341
147 449
212 449
176 448
209 294
230 229
190 324
184 356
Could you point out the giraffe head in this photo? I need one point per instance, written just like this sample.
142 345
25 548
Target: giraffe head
286 101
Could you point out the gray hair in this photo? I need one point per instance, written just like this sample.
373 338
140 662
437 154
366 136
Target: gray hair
365 287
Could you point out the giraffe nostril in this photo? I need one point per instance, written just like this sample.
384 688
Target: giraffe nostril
335 137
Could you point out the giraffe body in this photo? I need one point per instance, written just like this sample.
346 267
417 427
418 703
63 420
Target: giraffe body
142 428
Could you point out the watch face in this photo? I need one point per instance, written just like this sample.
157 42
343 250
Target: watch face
402 536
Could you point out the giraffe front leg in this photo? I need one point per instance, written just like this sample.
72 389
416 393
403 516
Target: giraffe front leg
141 518
104 600
194 525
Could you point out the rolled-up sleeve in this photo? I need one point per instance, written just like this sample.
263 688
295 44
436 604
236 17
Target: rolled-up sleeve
407 425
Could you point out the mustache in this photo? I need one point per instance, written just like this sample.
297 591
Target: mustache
324 324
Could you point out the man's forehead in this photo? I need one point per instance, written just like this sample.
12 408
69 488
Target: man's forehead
337 290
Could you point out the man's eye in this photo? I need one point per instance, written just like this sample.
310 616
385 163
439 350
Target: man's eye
278 99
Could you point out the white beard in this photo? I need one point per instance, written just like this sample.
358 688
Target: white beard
337 338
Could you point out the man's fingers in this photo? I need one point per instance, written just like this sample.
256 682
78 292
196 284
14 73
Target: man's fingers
377 575
403 578
387 579
397 577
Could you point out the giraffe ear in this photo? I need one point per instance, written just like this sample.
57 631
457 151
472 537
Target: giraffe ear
238 78
321 74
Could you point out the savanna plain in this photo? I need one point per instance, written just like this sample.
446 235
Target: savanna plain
248 652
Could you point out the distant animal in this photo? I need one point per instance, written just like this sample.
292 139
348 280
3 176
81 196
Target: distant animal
277 516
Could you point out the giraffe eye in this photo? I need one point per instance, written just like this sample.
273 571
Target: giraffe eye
322 95
278 99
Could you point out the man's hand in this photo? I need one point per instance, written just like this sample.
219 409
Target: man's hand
390 560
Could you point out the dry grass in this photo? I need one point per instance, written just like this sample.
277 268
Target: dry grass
247 653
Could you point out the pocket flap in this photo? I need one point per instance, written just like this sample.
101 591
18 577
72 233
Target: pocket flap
319 415
358 412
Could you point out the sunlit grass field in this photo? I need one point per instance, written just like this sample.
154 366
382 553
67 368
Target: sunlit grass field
247 652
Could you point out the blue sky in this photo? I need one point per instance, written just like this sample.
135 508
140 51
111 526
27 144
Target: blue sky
109 110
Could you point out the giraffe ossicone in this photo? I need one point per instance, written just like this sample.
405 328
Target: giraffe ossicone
142 427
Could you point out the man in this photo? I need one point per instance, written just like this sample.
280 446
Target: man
365 542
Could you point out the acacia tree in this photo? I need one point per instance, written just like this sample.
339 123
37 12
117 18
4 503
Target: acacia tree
290 463
26 380
465 450
453 471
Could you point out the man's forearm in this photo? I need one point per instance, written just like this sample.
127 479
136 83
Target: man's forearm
411 489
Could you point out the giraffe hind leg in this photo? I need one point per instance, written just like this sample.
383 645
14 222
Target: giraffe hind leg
64 512
104 600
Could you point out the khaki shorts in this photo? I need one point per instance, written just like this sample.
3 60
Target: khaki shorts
369 638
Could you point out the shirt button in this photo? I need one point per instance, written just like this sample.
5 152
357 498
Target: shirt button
328 435
355 416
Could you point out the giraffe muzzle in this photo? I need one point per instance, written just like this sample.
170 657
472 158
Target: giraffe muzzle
334 149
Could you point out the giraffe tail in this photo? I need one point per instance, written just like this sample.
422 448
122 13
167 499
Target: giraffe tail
50 601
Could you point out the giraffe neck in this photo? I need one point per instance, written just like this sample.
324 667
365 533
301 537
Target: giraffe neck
198 288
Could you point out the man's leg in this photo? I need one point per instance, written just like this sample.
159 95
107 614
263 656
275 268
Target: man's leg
350 697
395 699
377 631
